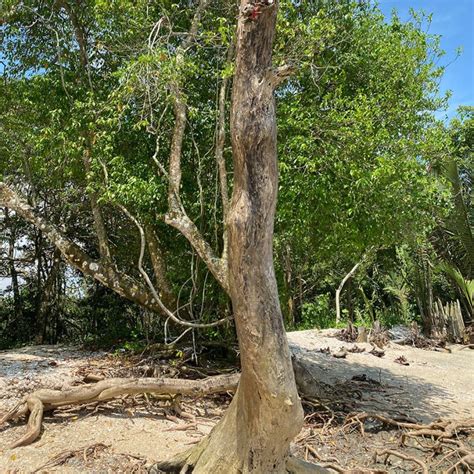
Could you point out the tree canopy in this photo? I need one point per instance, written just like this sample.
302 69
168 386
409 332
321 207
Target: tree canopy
87 123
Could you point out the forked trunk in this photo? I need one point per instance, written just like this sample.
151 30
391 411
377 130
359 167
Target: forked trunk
265 414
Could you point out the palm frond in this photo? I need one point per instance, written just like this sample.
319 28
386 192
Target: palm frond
458 223
465 286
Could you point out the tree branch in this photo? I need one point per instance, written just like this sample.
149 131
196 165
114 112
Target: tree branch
278 75
176 215
219 154
186 226
155 294
99 225
159 267
122 284
81 38
344 281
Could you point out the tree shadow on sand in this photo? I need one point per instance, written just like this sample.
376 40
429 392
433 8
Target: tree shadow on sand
366 387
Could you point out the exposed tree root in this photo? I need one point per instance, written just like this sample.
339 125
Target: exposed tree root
467 462
35 407
390 452
36 403
45 400
184 462
444 432
460 452
441 429
223 451
66 455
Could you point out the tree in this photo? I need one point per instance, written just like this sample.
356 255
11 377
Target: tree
76 138
265 414
351 151
128 127
357 133
266 398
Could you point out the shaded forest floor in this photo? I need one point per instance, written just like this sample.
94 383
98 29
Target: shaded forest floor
127 435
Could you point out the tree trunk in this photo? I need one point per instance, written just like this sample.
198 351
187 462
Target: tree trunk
368 254
288 278
339 289
17 304
99 225
47 298
350 303
265 415
159 269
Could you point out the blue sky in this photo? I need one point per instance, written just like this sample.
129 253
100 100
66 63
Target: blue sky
454 21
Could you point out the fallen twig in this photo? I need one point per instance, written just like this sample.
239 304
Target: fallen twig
61 458
390 452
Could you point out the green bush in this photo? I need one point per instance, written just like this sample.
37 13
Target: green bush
318 314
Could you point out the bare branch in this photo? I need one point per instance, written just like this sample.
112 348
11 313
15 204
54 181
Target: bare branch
176 215
180 115
156 296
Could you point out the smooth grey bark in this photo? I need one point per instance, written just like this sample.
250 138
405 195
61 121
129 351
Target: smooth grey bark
340 288
367 255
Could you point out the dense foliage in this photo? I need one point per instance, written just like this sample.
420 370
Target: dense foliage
367 172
